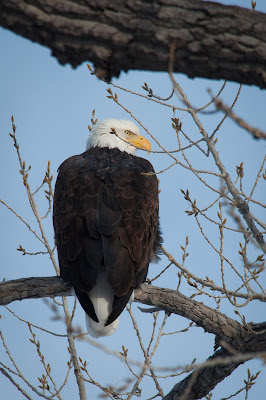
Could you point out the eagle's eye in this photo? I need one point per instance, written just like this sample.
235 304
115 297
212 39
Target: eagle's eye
128 133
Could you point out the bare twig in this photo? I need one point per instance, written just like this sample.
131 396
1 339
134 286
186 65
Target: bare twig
240 203
255 132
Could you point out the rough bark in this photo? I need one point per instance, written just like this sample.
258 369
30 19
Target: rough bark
242 339
224 328
212 40
205 380
33 288
249 339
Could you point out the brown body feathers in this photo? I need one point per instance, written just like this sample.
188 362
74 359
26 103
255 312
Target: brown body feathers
106 219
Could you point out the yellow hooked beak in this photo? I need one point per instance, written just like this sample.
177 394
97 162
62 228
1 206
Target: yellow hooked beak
140 142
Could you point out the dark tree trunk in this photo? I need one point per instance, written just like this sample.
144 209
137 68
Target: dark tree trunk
211 40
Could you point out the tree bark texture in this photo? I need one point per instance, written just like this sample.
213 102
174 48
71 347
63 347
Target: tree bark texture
211 40
205 380
242 339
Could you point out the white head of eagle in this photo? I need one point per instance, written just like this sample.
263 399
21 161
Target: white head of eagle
106 221
121 134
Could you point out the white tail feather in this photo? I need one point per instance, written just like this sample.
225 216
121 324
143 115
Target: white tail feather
96 329
101 296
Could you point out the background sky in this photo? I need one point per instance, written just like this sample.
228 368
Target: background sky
52 107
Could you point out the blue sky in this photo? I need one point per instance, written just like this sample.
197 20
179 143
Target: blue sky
52 107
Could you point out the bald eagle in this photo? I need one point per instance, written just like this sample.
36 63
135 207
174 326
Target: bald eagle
106 222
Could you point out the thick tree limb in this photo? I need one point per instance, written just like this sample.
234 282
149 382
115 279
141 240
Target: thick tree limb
249 339
33 288
205 380
225 329
212 321
241 338
212 40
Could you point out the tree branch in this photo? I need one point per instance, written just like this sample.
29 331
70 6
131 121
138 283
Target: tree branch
255 132
205 380
212 40
224 328
245 339
241 205
241 338
33 288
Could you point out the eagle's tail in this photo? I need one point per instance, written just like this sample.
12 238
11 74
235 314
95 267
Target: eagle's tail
102 297
97 329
